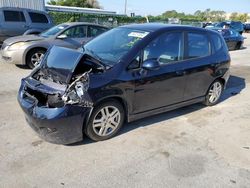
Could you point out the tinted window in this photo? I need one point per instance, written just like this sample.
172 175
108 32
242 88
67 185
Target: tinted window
165 49
38 18
54 30
76 32
217 43
135 63
13 16
198 45
95 31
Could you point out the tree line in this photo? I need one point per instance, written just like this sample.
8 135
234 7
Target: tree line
207 15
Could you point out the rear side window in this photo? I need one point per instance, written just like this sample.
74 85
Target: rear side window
217 43
13 16
198 45
94 31
38 18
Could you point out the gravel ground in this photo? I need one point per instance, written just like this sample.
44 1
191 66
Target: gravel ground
195 146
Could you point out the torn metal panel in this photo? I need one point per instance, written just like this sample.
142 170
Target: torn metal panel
76 93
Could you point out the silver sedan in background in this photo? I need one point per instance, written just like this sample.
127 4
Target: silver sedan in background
30 49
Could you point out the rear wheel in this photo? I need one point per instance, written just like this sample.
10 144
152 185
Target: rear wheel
105 121
214 93
34 57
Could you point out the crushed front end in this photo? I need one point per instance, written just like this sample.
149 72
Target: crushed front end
55 101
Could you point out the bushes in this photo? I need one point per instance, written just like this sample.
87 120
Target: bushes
60 17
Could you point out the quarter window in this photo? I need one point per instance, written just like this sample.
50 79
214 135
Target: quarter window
38 18
76 32
135 63
217 43
166 49
198 45
13 16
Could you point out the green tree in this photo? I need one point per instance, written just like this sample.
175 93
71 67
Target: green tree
217 15
170 14
234 16
76 3
238 17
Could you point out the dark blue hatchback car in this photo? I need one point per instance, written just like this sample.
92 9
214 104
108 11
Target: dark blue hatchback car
233 39
125 74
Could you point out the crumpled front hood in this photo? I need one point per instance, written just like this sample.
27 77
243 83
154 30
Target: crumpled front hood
60 63
23 38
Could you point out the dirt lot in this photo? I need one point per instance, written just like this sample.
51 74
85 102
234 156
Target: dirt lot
190 147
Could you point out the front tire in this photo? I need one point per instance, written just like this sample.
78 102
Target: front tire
34 57
105 121
214 93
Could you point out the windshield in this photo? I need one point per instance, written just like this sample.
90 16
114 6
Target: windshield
111 46
53 31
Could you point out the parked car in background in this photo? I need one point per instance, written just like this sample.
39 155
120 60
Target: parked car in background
233 39
30 49
125 74
19 21
235 25
247 27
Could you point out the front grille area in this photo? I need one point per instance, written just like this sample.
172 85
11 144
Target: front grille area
33 94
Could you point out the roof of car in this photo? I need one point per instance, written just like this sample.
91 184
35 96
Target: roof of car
82 23
21 9
152 27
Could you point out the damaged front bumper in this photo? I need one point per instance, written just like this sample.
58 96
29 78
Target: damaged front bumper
63 125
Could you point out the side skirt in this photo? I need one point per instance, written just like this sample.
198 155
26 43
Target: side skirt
134 117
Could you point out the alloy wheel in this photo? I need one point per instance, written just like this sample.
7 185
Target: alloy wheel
215 92
36 58
106 121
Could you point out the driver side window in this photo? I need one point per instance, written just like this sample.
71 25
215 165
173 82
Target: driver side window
76 32
166 49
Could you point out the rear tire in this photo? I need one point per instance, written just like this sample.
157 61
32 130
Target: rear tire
214 93
34 57
105 121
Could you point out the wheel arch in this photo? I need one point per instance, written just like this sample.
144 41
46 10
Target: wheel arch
119 99
221 79
103 100
30 50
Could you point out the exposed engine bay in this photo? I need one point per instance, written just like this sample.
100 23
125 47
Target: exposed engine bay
54 91
73 94
76 92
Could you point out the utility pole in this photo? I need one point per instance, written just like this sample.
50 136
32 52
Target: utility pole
125 9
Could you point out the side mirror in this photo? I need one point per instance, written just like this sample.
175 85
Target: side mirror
151 64
63 36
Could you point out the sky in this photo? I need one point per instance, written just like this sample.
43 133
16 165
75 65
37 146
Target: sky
157 7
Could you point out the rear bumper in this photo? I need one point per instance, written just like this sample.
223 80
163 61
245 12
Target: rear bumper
55 125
